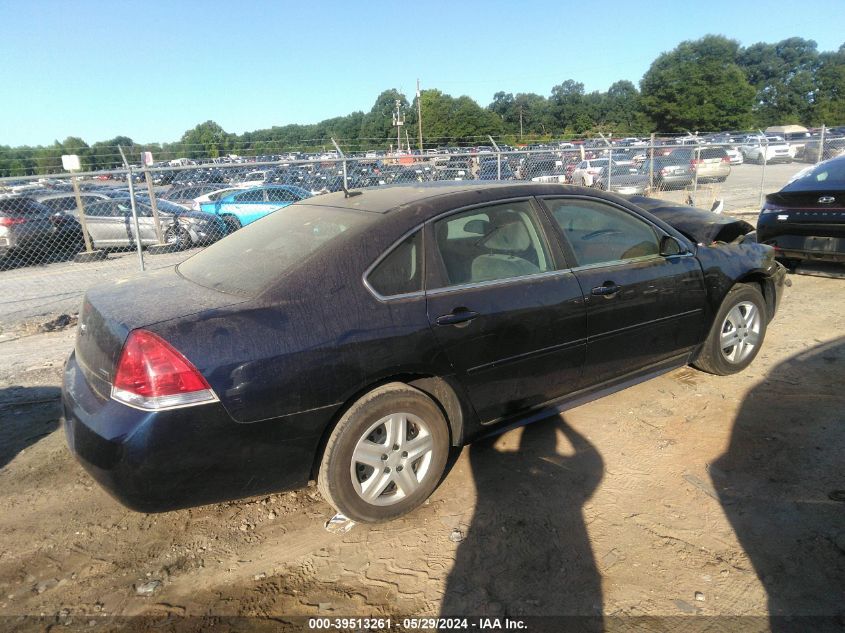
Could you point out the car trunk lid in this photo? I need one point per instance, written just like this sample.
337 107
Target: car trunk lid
810 207
110 312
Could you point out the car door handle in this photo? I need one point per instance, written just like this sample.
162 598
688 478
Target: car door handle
607 289
457 316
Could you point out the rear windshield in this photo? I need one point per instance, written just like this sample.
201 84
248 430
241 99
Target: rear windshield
22 206
254 257
713 152
829 175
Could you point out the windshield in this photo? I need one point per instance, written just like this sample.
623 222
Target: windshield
827 176
251 259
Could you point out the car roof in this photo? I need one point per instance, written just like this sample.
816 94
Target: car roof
438 195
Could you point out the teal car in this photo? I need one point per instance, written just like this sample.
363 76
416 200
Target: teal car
242 207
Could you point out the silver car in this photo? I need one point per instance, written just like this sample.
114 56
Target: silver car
110 224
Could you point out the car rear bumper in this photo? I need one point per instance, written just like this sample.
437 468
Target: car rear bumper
158 461
680 180
822 248
796 240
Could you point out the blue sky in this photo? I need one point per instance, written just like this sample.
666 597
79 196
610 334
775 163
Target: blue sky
151 70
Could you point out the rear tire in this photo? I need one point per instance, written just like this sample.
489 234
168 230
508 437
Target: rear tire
737 333
386 455
232 223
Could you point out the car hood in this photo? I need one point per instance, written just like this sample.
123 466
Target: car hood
703 227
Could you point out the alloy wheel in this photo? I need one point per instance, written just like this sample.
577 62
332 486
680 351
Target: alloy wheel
391 459
740 332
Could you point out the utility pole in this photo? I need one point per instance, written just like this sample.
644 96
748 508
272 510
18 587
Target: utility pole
520 123
398 121
419 114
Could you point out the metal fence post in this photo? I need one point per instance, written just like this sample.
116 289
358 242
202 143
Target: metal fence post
695 174
765 148
609 160
343 156
498 159
651 163
81 210
129 177
821 145
154 204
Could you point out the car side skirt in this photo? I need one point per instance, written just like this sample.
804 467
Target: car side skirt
583 396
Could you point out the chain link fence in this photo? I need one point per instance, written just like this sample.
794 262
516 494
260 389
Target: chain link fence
61 234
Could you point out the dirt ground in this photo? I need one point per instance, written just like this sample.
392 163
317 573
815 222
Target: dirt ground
688 494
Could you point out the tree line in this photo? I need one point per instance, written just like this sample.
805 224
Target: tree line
710 84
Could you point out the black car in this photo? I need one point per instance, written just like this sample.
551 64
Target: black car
27 229
493 169
358 339
806 219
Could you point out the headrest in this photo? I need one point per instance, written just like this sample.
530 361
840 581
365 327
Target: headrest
511 237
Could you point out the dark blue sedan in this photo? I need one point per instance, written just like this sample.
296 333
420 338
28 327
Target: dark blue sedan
359 337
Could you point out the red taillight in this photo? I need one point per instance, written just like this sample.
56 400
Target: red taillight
152 375
695 161
726 159
11 221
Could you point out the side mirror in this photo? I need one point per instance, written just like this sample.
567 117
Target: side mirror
670 246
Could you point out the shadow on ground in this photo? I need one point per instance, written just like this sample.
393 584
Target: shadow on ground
527 551
28 414
782 484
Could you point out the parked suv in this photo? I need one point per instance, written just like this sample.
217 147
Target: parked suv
772 149
707 163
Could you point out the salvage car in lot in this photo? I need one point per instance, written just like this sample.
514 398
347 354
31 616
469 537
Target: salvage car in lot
622 180
243 207
110 224
358 339
757 149
806 219
29 228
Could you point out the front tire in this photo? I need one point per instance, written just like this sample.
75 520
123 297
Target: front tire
232 223
386 455
178 237
737 333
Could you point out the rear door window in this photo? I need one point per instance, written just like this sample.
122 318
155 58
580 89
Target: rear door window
280 195
253 195
491 243
400 272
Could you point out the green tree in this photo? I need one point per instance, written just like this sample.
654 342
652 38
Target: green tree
569 109
622 109
783 75
829 107
206 140
698 86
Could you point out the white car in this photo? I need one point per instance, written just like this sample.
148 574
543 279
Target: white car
772 149
735 155
254 178
587 170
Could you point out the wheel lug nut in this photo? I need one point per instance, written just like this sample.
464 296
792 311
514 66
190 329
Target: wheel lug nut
384 458
396 447
398 469
386 470
404 453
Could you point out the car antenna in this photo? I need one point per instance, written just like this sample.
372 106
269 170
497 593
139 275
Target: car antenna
346 192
